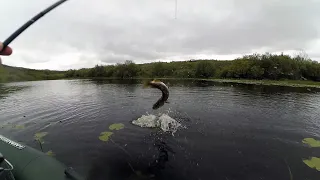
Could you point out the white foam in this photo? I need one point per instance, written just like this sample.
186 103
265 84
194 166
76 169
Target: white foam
168 124
146 121
164 121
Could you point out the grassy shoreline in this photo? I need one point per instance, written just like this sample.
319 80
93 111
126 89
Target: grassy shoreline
265 82
287 83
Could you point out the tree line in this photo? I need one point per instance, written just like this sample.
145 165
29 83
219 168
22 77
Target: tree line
255 66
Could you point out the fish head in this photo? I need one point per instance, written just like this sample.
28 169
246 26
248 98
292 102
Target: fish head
153 84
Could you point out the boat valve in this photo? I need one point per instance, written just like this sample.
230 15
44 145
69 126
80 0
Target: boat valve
8 166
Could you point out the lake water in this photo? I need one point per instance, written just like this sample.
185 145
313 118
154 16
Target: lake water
227 132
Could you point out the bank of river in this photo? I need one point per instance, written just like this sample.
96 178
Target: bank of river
288 83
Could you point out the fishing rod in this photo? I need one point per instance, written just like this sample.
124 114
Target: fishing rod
29 23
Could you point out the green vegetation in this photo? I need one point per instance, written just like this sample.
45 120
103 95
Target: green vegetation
50 153
39 136
313 162
10 74
116 126
311 142
253 67
12 126
19 126
289 83
104 136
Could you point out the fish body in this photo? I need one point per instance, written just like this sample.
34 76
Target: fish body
165 93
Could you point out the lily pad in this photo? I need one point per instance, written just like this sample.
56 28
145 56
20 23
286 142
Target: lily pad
314 163
11 126
6 126
50 153
116 126
311 142
104 136
39 135
21 126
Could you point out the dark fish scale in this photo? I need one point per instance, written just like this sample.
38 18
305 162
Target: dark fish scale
165 93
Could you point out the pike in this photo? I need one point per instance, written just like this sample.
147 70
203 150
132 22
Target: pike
165 92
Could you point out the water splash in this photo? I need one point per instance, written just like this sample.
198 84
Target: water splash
148 121
168 124
163 121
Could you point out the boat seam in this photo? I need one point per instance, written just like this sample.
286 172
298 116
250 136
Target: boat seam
29 163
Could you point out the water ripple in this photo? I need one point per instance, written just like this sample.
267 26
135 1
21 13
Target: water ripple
223 123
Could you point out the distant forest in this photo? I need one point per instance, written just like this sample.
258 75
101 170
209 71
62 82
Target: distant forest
255 66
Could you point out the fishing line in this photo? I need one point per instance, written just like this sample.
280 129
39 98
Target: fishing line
29 23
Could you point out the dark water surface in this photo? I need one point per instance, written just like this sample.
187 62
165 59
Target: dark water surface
238 132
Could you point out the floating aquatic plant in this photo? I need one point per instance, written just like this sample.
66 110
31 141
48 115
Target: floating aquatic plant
11 126
104 136
311 142
39 135
116 126
313 162
19 126
6 126
50 153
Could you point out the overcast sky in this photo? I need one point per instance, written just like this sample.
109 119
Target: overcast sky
83 33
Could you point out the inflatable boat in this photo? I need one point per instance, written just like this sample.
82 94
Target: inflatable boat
20 162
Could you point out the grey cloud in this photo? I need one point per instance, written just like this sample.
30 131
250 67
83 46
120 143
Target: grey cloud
145 31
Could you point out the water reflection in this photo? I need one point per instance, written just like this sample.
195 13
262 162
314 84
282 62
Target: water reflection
163 157
115 81
117 161
5 89
232 131
204 83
